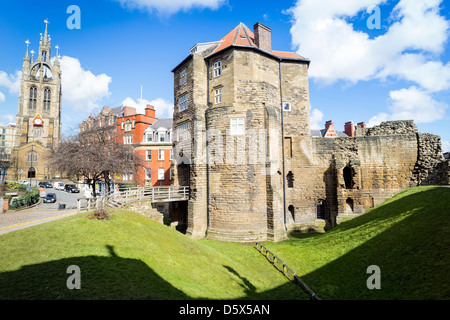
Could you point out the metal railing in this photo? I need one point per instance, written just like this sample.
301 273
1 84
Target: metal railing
118 198
283 267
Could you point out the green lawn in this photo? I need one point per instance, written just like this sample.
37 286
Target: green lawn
408 237
132 257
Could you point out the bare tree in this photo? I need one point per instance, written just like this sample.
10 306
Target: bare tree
94 155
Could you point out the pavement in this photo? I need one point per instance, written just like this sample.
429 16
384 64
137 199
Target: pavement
43 212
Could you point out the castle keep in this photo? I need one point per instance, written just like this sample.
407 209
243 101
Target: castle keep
243 143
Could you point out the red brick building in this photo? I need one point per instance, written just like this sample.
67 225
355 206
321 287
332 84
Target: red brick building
152 142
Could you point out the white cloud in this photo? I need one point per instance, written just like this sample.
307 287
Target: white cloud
412 104
163 108
446 146
7 118
316 119
171 6
2 97
82 90
409 50
11 81
339 52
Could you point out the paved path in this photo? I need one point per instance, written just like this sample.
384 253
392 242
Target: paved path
12 221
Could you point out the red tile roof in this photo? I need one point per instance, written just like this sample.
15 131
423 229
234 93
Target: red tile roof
242 36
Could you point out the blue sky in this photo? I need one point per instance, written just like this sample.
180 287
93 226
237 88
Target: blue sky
399 71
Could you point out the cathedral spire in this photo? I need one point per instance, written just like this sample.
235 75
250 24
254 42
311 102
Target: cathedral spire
27 56
45 34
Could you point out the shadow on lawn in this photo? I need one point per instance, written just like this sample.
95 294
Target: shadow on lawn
109 278
102 278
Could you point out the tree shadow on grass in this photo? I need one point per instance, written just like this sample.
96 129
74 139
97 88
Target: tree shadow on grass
101 278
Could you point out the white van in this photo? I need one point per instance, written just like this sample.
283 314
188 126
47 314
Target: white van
59 186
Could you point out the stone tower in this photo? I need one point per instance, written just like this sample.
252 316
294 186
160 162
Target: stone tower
38 121
39 114
236 101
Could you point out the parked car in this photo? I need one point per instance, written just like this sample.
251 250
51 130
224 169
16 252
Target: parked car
59 186
24 182
45 184
71 188
50 198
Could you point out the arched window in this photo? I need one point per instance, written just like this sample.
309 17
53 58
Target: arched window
47 99
33 98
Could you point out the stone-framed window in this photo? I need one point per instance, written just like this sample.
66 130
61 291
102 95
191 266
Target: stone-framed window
47 99
183 77
33 98
183 131
149 155
290 179
128 139
128 125
349 173
183 102
218 95
217 70
237 126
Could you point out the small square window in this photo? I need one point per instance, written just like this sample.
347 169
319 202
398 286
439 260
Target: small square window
237 127
149 155
287 106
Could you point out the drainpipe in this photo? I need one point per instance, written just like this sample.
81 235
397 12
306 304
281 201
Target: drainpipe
282 145
207 149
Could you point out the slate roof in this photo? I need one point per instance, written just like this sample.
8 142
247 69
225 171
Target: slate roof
162 123
321 133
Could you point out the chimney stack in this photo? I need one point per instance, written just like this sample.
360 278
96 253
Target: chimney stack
263 37
349 129
362 125
329 124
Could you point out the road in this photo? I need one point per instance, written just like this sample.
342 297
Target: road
62 197
41 213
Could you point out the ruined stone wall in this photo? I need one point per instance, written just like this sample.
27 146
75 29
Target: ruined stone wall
431 167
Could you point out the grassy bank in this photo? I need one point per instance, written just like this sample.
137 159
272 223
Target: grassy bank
408 238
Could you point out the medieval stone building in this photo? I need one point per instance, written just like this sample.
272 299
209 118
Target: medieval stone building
243 143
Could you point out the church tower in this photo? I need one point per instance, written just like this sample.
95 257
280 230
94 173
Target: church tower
39 114
38 121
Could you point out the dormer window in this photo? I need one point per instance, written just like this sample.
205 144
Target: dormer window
162 137
149 136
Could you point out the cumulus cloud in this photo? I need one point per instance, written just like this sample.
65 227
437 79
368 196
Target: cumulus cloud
2 97
172 6
409 50
339 52
7 118
163 108
412 104
316 119
11 81
82 90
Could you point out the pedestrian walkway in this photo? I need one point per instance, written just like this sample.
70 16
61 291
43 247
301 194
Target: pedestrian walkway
12 221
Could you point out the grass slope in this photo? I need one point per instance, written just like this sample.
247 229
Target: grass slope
132 257
408 237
